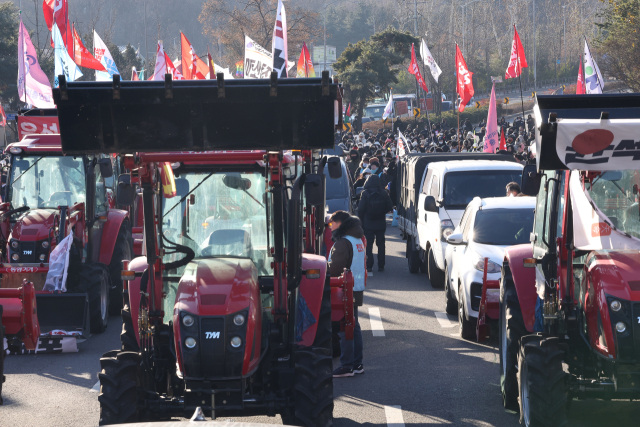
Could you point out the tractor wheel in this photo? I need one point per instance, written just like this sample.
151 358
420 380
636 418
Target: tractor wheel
119 381
467 323
121 251
2 355
128 335
413 257
451 305
324 332
541 381
436 276
511 330
94 280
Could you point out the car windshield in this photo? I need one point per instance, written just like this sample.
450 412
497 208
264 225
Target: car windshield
503 226
461 187
616 195
47 181
336 188
219 215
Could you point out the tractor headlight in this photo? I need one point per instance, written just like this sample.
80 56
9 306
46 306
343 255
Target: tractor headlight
45 245
190 342
15 257
236 342
238 320
188 321
15 244
615 305
621 327
42 257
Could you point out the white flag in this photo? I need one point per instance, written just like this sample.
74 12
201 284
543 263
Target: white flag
592 78
62 61
429 61
279 46
161 63
388 110
33 84
102 54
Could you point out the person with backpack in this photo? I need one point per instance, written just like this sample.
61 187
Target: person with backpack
372 210
348 252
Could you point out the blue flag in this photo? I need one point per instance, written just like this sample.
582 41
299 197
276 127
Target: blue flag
63 62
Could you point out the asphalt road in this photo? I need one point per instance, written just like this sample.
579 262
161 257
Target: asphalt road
419 373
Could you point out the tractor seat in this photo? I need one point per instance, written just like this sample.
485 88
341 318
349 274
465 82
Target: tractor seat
229 242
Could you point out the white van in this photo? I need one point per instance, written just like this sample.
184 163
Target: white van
446 189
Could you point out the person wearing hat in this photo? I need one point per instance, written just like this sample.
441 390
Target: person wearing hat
362 178
354 161
374 205
374 165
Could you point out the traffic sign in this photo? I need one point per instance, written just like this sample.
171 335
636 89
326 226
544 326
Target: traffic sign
533 94
506 100
416 112
11 116
477 104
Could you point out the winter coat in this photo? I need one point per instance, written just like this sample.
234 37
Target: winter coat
373 185
342 252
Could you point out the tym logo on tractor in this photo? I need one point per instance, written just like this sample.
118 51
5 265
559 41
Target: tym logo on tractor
212 335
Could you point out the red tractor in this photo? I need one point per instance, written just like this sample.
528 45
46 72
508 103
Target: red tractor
570 301
49 196
225 311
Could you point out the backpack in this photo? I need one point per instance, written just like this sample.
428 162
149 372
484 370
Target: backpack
376 206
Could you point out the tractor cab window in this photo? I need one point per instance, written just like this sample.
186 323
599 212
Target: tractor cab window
46 181
615 193
544 206
221 214
101 192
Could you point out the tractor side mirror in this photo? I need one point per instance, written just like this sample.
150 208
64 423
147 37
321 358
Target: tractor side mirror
313 189
106 169
430 204
126 192
334 167
530 183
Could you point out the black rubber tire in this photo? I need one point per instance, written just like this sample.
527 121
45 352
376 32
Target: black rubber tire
436 276
514 329
2 355
424 265
121 251
541 382
324 332
413 257
95 281
128 335
467 323
451 305
119 381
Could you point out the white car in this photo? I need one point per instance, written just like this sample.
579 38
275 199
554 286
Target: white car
487 227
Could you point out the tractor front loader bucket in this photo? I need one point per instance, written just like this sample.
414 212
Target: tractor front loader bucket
64 312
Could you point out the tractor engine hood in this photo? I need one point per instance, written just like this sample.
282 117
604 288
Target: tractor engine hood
218 286
35 225
616 272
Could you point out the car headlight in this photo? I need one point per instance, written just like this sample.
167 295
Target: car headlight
478 264
447 228
188 321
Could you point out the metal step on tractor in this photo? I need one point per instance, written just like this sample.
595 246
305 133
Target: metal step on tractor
224 312
47 197
570 300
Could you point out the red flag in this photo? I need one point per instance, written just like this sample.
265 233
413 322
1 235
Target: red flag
349 110
503 143
83 57
212 68
518 60
3 117
580 89
415 70
188 58
134 75
465 83
58 11
201 69
171 69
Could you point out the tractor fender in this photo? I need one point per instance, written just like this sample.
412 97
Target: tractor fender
138 265
110 229
524 280
311 290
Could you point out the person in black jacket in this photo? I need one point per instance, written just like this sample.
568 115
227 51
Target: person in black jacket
372 210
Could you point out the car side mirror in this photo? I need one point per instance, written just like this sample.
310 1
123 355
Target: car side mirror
530 183
126 192
455 239
334 167
313 189
430 204
106 169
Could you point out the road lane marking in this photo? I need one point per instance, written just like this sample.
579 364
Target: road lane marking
376 322
394 416
95 388
443 319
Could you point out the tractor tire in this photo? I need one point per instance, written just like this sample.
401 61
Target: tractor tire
324 332
128 335
121 251
511 329
541 381
95 281
451 305
119 381
2 355
436 276
467 323
413 257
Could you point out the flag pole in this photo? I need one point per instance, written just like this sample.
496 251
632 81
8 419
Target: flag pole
455 67
426 107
